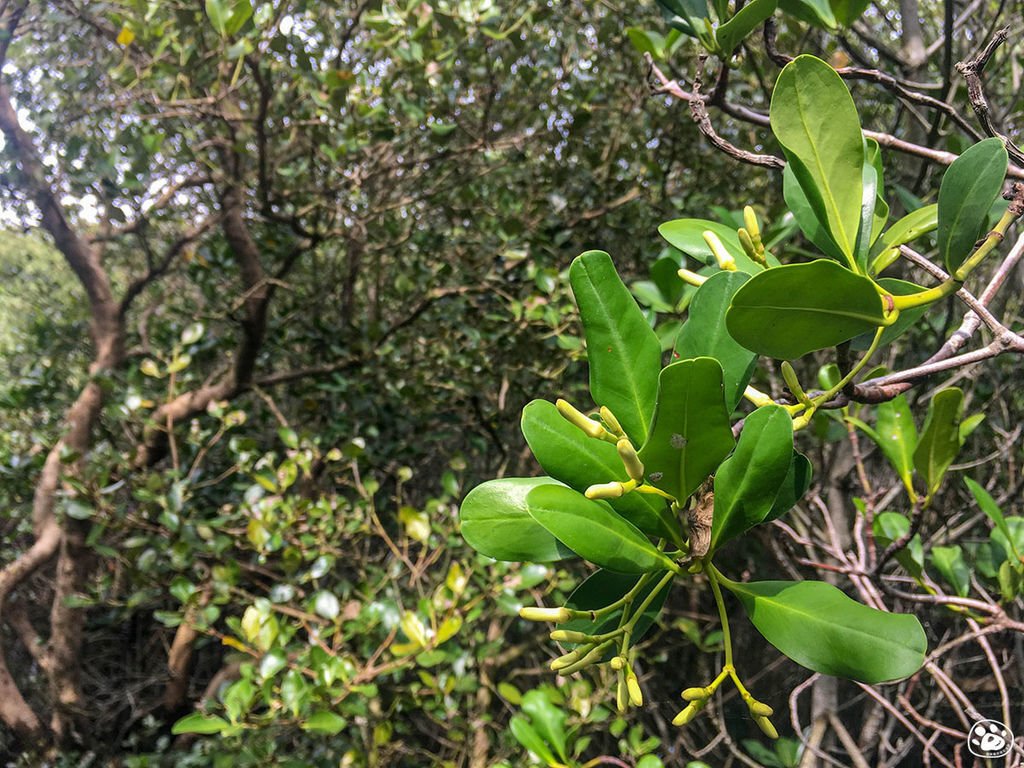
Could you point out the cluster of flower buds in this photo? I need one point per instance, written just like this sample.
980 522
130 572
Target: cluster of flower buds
750 237
699 697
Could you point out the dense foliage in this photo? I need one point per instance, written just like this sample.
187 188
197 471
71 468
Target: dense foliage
284 280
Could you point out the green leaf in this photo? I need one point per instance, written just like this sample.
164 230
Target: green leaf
593 531
218 15
603 588
969 188
949 561
324 722
892 526
530 739
794 486
896 435
748 482
848 11
789 311
691 432
820 628
816 12
496 523
688 236
806 218
623 351
732 33
815 120
704 334
940 439
241 11
199 723
992 511
547 719
569 456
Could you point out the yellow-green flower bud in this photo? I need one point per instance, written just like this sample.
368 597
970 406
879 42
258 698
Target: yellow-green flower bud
569 659
568 636
759 708
722 256
746 242
692 278
611 422
630 460
591 658
617 663
695 694
789 376
752 227
621 696
686 715
604 491
579 419
766 727
636 696
539 613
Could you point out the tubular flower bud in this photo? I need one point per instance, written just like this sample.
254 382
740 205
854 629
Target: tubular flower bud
752 227
692 278
620 696
766 727
630 460
568 636
591 658
688 713
556 615
695 694
578 419
760 709
746 242
568 659
722 256
636 696
604 491
789 376
611 422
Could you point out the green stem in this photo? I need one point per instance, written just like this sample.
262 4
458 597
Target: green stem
713 577
953 283
625 599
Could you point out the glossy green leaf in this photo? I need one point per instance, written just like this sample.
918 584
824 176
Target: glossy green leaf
217 12
704 334
324 721
199 723
789 311
547 720
820 628
815 120
892 526
848 11
816 12
732 33
940 438
988 505
568 455
805 217
748 482
496 523
1013 540
896 435
603 588
592 530
969 188
874 210
623 351
688 236
691 432
526 735
794 486
241 11
949 561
